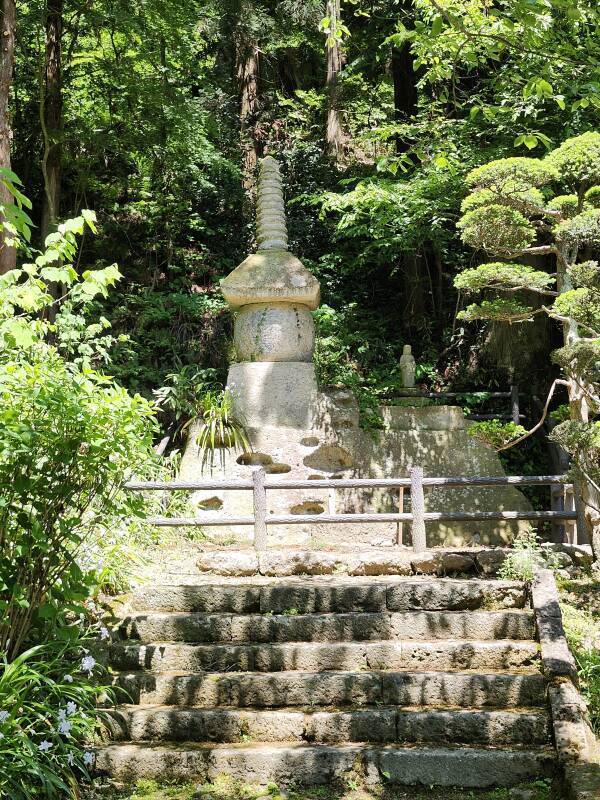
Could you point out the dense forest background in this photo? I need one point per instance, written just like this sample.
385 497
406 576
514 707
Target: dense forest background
155 115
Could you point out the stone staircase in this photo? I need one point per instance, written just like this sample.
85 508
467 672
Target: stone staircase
412 680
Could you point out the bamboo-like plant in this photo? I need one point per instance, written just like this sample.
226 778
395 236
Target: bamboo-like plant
221 429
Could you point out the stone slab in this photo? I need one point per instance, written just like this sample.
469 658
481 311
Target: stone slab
322 764
328 627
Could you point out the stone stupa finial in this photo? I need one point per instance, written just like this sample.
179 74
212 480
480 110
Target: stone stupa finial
272 274
270 211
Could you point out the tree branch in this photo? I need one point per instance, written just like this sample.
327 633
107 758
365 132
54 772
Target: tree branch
538 425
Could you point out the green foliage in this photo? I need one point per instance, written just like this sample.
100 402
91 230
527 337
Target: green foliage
47 715
498 310
580 230
68 438
580 358
581 618
582 441
582 305
566 204
502 276
512 175
497 229
525 558
221 428
495 433
577 160
586 273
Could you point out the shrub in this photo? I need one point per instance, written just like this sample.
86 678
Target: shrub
495 433
47 713
525 559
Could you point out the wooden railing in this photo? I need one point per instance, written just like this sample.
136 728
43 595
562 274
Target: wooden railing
416 483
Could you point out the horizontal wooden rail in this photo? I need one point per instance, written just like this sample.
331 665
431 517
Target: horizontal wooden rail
429 516
260 519
350 483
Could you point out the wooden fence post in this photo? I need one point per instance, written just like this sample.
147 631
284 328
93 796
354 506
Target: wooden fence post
417 501
400 525
259 494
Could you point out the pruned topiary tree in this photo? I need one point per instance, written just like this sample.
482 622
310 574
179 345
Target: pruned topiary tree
523 207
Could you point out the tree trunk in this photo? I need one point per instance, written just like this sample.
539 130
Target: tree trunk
405 90
247 75
334 134
51 116
8 255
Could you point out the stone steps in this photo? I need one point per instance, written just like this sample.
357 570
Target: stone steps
442 654
327 627
379 724
414 680
284 689
327 595
323 764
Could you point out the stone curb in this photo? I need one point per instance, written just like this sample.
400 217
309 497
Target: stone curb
573 737
391 561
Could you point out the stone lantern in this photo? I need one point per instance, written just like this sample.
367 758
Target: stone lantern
273 381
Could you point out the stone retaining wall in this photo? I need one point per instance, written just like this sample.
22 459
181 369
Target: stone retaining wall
576 746
383 561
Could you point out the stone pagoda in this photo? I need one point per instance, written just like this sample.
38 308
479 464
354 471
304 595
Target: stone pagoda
303 432
273 382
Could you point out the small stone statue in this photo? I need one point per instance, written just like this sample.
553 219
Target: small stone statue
408 367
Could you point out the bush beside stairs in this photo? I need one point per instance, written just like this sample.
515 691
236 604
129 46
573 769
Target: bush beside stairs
410 680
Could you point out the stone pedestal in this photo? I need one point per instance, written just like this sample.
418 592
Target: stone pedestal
266 394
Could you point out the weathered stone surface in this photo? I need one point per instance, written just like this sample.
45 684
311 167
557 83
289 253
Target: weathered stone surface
281 689
462 689
473 655
470 768
306 599
368 725
196 689
311 656
496 728
312 627
490 561
178 627
152 723
457 562
428 563
274 332
453 595
557 660
323 764
353 626
176 656
236 563
462 625
428 418
302 562
582 781
210 597
380 563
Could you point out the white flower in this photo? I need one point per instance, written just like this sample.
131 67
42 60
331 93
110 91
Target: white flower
4 715
1 736
62 714
104 633
87 664
68 679
70 759
45 745
71 707
88 758
65 727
